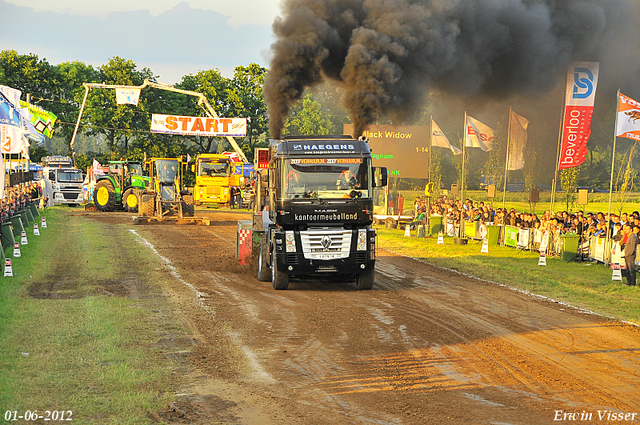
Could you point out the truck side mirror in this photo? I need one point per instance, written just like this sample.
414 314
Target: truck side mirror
193 168
379 176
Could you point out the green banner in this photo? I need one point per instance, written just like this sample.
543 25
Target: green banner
42 120
511 236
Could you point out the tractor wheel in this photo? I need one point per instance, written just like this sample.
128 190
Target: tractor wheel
104 196
365 279
279 279
147 205
130 201
263 267
188 208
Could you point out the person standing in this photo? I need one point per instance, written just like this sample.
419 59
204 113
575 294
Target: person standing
630 241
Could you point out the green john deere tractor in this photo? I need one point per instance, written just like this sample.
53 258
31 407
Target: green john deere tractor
118 189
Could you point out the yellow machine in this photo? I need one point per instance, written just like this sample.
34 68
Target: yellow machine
165 195
216 174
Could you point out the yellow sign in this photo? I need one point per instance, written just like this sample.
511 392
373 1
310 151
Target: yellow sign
429 188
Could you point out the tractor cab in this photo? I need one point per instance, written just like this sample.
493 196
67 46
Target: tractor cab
165 195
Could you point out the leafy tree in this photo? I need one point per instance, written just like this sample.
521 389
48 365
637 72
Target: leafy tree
306 118
568 180
120 124
246 91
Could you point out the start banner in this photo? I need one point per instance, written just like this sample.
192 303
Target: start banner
199 126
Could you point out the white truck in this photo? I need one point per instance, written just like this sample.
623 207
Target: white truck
61 181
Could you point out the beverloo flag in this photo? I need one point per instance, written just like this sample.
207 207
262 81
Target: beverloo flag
440 140
582 81
478 135
517 141
628 120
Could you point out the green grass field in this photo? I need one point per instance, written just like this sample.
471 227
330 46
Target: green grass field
72 340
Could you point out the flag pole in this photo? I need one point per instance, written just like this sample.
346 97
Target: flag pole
462 178
560 131
613 158
429 174
506 162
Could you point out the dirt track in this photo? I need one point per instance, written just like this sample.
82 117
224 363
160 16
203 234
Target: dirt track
424 346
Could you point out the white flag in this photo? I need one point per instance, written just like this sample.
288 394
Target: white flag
478 135
628 121
440 140
97 168
127 96
517 141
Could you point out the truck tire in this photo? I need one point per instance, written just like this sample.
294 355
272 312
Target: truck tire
147 205
364 280
279 278
104 196
264 273
130 201
188 207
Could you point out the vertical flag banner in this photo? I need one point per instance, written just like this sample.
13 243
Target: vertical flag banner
127 96
10 126
478 135
628 118
517 141
582 81
440 140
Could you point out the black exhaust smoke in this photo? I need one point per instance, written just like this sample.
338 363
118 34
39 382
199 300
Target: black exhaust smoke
387 54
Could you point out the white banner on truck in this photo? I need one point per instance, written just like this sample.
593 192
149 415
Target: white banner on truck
199 126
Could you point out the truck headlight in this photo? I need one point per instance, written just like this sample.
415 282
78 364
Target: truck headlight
291 241
362 240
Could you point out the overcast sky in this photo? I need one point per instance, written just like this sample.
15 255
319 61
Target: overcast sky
171 37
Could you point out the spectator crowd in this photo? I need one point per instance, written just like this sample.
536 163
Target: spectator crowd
586 224
18 197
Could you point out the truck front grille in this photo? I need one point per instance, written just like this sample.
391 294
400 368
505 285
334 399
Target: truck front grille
325 244
70 195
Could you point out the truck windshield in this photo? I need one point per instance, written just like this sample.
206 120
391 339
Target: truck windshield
324 178
69 176
213 168
166 170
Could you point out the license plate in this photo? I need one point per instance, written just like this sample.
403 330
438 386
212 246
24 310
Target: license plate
326 256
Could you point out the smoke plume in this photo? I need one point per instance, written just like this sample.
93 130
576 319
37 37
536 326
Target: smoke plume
387 54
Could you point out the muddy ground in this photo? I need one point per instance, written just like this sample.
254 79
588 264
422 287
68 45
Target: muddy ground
424 346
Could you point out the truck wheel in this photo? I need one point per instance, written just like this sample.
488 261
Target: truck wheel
188 208
364 280
263 267
147 205
104 196
279 279
130 201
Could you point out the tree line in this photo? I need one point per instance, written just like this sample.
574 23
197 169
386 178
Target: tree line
110 131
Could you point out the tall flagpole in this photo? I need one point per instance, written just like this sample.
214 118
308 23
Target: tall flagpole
555 178
613 158
462 178
429 174
506 162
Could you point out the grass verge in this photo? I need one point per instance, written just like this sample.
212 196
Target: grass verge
581 285
80 323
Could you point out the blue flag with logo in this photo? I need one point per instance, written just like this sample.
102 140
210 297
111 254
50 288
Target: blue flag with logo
8 113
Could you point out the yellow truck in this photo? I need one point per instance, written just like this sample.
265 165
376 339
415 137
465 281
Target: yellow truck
216 175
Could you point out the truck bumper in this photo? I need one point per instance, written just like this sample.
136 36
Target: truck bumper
296 264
